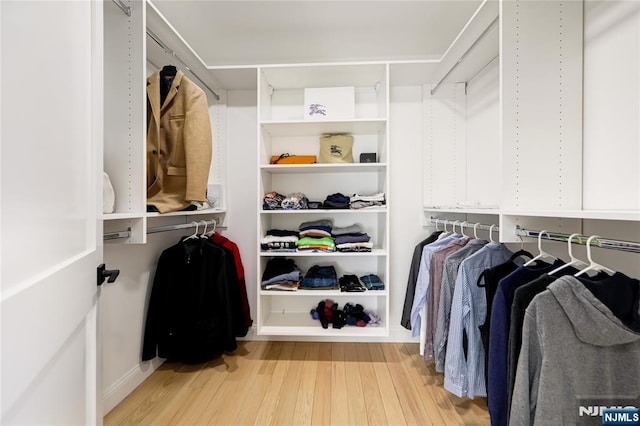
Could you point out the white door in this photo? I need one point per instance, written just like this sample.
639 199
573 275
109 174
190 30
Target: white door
50 229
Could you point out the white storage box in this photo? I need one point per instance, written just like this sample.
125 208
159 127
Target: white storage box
329 103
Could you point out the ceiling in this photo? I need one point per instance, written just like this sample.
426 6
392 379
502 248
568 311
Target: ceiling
228 34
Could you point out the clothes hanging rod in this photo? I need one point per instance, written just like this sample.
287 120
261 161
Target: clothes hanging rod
126 9
184 64
629 246
464 55
126 234
464 224
481 70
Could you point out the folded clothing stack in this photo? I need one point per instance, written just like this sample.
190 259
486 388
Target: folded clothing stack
320 278
350 283
352 239
336 201
372 282
281 274
316 236
367 201
295 201
279 240
272 201
325 244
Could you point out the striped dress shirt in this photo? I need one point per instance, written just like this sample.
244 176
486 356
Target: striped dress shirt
464 376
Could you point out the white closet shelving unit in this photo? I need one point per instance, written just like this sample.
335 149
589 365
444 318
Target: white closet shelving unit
282 129
503 120
131 54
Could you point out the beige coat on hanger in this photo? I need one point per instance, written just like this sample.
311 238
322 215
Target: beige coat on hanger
178 144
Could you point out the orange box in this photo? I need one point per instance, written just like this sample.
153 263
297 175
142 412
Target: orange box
293 159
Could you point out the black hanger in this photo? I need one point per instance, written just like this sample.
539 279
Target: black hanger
168 71
519 253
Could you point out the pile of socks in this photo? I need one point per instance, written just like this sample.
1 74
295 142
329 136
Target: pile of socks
327 312
355 315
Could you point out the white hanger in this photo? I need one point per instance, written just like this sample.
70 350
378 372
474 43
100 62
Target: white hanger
475 231
541 253
437 221
446 222
462 225
574 260
491 233
203 235
593 266
195 234
455 222
210 233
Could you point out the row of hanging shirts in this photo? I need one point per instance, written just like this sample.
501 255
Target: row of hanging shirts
537 337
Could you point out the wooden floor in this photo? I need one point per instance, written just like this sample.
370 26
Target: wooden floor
293 383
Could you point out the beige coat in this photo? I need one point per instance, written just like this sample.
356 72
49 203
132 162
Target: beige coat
178 144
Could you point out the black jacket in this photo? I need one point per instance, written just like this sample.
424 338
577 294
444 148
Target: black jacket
192 310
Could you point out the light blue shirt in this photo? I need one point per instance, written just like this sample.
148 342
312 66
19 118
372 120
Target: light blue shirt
422 283
465 377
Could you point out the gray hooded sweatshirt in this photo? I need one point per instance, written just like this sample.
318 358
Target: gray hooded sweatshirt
574 353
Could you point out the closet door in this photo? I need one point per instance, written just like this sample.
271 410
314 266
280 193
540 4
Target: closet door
51 61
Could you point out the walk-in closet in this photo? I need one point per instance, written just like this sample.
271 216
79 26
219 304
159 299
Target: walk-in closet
341 212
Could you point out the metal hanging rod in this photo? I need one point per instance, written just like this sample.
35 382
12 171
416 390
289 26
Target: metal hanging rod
464 224
126 9
184 65
607 243
126 234
464 55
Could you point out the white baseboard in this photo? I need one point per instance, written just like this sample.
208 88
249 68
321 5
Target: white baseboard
122 387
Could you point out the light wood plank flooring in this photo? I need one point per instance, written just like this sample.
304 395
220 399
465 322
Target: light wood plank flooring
300 383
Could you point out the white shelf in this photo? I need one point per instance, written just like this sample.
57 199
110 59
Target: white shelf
374 252
626 215
118 216
327 211
187 213
370 126
303 325
324 168
462 210
323 293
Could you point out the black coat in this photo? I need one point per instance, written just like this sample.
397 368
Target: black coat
193 307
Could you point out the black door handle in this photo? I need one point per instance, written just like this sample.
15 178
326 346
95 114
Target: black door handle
107 274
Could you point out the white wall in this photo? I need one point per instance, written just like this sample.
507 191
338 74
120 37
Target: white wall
122 314
612 105
242 115
405 210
